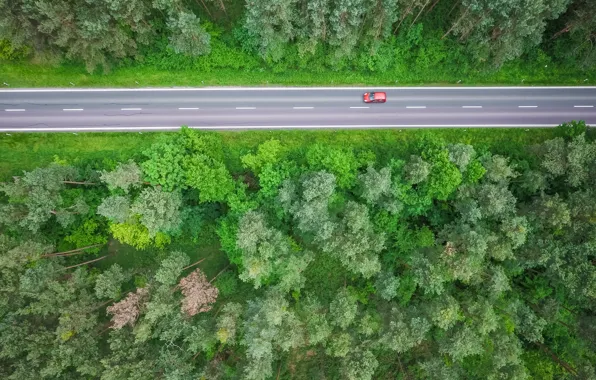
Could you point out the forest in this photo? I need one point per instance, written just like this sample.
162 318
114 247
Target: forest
404 41
433 259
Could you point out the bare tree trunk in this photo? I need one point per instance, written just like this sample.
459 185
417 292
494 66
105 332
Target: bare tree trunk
72 252
79 183
205 6
401 367
556 359
456 23
197 263
566 29
419 13
86 262
223 7
217 275
452 9
433 6
408 11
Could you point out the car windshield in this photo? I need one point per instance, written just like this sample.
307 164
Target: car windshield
371 96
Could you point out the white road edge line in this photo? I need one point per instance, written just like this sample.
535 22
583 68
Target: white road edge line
188 108
15 110
241 127
131 109
359 107
303 108
72 109
415 106
583 106
471 106
170 89
527 106
246 108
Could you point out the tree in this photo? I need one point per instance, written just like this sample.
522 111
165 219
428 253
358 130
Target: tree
164 164
343 309
317 327
265 319
462 342
268 153
137 235
270 23
416 170
580 157
346 20
187 35
40 194
116 208
159 211
126 176
554 159
360 365
171 268
97 33
108 283
498 169
15 254
198 293
127 311
342 163
377 189
387 285
227 323
445 312
210 177
355 243
403 332
577 43
500 32
314 26
461 155
339 346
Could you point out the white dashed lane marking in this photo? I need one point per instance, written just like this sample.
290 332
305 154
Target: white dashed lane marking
188 109
130 109
527 106
359 107
246 108
72 109
471 106
583 106
303 108
416 107
14 110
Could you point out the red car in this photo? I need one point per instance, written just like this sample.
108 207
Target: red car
375 97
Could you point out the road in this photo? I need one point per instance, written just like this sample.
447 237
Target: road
31 110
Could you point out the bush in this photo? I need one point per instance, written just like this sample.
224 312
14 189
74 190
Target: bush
10 53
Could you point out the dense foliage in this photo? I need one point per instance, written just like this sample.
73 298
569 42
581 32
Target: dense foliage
404 38
448 262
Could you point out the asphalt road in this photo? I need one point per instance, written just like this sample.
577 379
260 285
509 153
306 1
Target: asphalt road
29 110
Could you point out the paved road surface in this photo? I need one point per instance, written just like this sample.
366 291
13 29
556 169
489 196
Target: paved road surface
251 108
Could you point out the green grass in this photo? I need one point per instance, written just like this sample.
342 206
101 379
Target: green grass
31 75
20 152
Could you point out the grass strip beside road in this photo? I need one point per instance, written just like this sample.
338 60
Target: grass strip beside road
27 151
22 74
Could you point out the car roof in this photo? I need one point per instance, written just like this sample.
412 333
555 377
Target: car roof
380 95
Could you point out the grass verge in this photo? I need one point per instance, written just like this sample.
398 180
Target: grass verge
20 152
24 74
